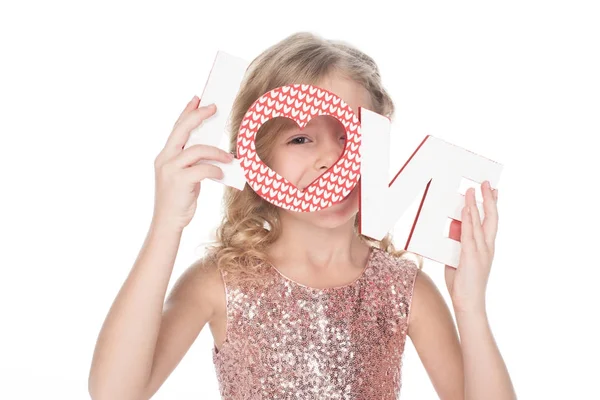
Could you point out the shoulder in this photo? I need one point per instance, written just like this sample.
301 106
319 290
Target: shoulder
200 286
428 305
398 263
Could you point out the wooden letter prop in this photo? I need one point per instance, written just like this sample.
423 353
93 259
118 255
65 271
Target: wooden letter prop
436 166
300 103
221 88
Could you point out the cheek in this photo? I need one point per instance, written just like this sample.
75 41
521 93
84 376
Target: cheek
291 165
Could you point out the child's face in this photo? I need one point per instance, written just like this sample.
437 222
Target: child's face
302 155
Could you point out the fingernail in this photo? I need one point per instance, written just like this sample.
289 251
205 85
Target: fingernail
193 98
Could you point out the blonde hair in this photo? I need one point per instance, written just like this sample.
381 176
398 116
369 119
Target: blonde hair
250 223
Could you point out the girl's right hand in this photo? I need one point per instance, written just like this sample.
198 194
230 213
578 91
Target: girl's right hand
177 178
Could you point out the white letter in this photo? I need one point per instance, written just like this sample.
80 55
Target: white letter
435 164
221 88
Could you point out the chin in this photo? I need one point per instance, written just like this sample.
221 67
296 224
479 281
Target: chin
338 215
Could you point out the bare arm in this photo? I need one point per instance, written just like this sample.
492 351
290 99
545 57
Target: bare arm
486 375
123 356
143 338
433 333
469 367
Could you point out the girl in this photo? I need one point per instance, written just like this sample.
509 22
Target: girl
299 304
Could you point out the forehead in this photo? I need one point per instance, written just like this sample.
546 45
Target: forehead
353 93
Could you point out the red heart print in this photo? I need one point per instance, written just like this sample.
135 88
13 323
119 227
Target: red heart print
300 103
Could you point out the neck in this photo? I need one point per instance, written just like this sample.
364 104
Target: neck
303 243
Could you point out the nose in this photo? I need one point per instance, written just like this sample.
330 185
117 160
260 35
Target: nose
329 150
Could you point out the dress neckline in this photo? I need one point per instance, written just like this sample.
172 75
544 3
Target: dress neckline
362 274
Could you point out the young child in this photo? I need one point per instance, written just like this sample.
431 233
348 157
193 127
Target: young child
300 305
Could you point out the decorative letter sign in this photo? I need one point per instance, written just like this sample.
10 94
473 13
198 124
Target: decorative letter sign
221 88
300 103
436 166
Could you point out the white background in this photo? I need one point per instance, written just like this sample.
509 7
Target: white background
90 91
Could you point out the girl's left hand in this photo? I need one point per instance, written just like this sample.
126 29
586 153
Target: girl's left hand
467 283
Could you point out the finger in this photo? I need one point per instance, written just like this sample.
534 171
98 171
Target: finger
192 105
199 172
490 220
198 152
476 222
467 242
181 132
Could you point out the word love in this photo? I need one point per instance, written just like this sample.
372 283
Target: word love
436 167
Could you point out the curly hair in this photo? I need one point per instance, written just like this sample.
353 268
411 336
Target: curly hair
250 223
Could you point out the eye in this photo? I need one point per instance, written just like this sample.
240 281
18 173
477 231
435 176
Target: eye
299 140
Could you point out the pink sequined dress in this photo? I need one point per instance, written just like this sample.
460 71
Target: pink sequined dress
285 340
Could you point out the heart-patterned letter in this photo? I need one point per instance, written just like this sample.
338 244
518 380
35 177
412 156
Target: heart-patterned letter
300 103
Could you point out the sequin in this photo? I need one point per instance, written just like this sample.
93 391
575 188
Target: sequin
285 340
